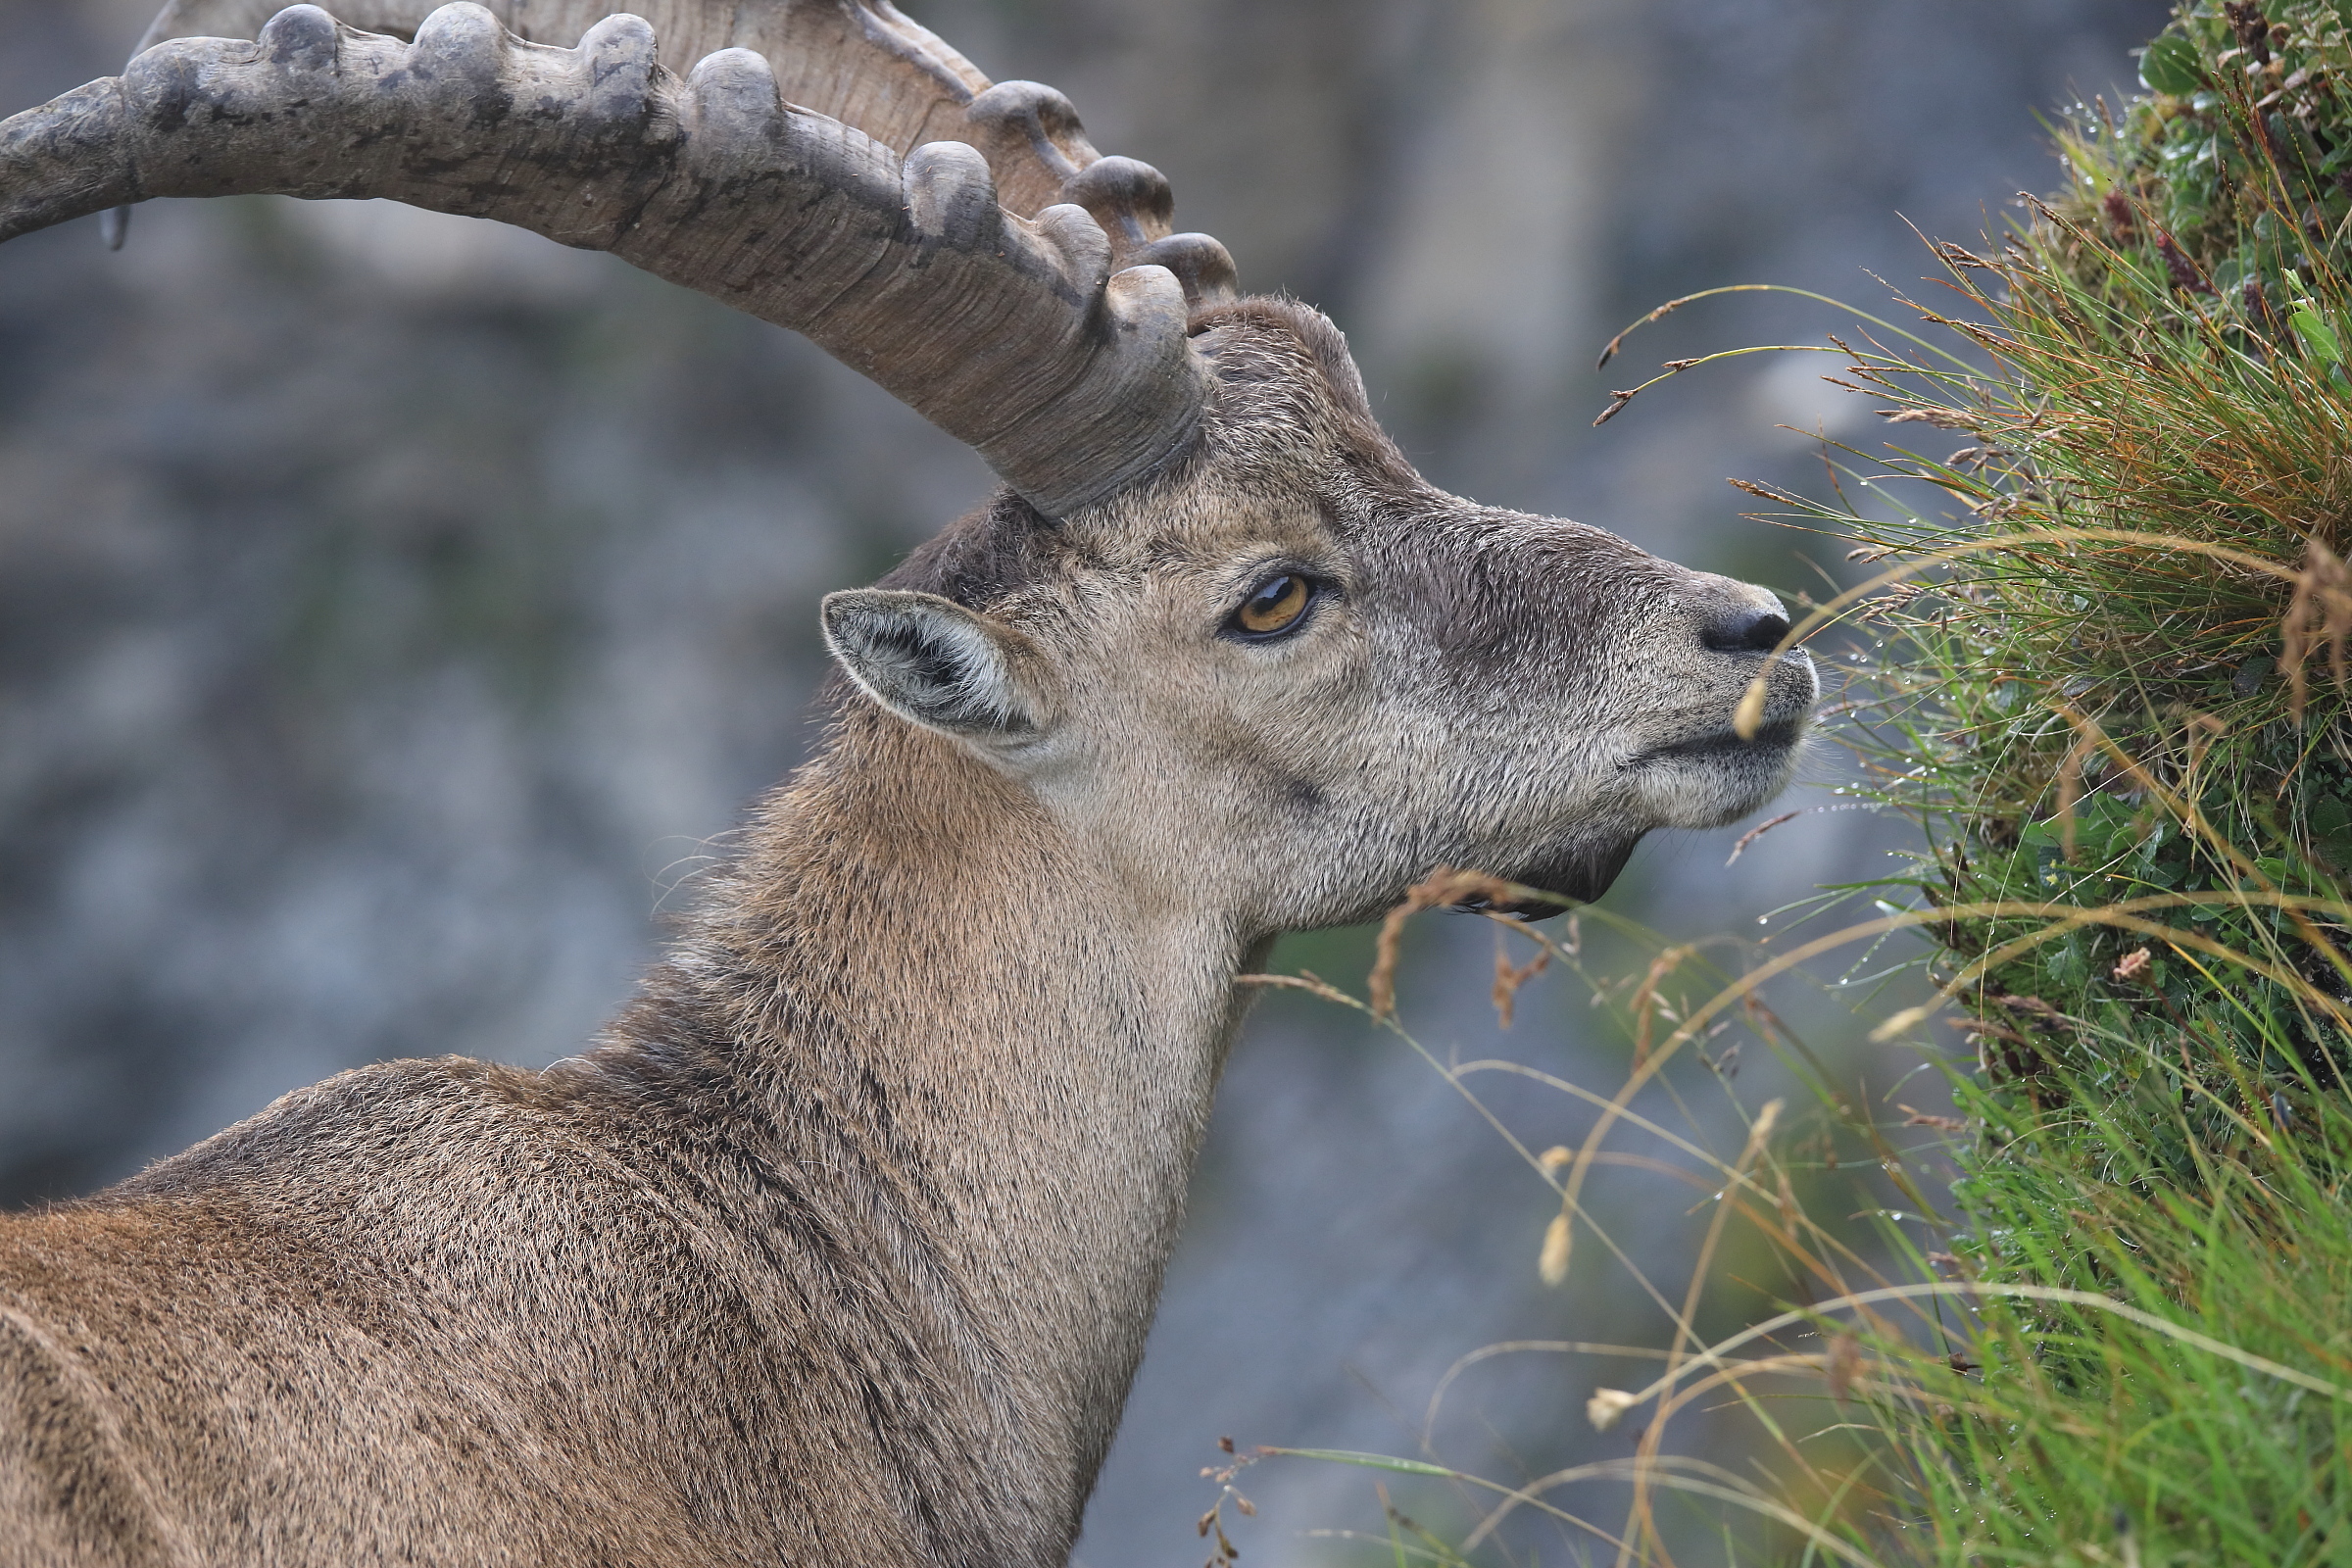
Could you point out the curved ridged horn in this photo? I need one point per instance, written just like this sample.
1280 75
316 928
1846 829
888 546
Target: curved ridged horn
1011 333
860 61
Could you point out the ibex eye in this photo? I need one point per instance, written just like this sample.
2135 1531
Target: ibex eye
1275 605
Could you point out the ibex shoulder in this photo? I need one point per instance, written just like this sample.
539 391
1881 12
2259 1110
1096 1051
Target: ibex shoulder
410 1270
66 1485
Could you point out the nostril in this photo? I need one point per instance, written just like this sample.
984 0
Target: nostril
1747 629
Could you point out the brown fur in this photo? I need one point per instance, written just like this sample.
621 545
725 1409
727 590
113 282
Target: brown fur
841 1247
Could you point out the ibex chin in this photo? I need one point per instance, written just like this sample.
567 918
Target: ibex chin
841 1245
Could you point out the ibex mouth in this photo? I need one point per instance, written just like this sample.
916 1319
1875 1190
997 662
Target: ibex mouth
1777 736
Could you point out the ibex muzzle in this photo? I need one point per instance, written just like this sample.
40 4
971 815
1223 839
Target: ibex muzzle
842 1244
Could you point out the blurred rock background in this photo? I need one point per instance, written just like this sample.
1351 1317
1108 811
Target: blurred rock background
394 609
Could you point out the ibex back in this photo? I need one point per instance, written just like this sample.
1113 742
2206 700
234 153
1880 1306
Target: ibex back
840 1245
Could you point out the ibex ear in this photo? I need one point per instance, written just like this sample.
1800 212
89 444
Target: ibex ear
931 661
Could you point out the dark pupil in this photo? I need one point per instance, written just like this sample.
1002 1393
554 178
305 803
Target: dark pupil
1275 605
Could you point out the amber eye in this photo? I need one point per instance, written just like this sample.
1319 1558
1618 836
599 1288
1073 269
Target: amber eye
1275 605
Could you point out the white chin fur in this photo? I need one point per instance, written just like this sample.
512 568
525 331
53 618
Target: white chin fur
1709 792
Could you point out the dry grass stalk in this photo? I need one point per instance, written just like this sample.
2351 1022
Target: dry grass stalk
2319 614
1443 887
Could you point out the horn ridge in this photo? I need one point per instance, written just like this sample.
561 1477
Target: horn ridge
862 62
1031 134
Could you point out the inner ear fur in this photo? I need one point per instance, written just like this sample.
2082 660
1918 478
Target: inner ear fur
935 663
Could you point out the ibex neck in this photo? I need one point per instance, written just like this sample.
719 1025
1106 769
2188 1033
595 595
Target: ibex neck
997 1062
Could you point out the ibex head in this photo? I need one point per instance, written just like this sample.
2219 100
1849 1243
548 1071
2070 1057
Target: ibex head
1286 672
1215 613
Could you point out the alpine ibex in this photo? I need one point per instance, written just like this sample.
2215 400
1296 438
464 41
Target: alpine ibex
840 1245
